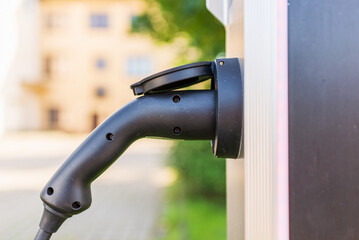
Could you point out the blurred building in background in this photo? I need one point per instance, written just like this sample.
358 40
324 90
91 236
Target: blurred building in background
88 58
19 62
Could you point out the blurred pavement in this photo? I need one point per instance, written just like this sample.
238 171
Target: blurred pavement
126 198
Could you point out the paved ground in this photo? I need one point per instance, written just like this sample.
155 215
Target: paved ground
126 198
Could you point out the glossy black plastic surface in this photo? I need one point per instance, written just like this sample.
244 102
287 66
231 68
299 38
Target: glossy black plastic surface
229 108
228 84
156 115
214 114
174 78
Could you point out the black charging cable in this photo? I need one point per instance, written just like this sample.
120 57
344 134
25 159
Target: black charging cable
42 235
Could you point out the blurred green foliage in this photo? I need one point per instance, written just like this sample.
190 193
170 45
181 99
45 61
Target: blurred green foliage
196 207
202 173
192 218
166 20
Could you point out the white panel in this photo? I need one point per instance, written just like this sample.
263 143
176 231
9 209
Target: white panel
266 124
219 8
257 186
235 168
260 119
282 200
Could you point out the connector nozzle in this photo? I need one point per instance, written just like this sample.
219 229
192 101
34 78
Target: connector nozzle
42 235
51 221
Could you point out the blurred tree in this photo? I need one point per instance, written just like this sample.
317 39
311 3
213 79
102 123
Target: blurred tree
167 20
202 176
202 173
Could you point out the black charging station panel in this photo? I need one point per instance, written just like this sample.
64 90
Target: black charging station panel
324 119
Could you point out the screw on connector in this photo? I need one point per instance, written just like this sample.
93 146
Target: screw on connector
177 130
176 99
50 191
110 136
221 63
76 205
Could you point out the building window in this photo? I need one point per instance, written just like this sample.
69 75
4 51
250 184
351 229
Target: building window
54 65
99 20
55 20
138 23
101 63
94 121
53 118
139 66
47 66
134 23
100 92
